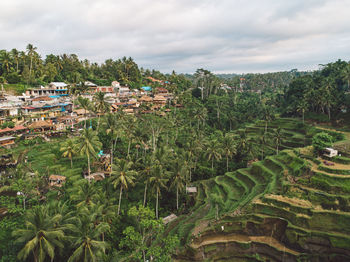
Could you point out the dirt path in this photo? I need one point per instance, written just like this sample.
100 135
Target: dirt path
314 168
246 239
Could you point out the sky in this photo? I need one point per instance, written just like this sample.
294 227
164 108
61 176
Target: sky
223 36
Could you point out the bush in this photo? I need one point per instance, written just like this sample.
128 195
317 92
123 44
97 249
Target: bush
321 140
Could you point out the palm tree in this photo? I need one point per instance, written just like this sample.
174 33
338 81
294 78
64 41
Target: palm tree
5 59
277 137
85 237
123 176
179 178
110 124
84 194
213 151
41 235
301 108
146 172
15 56
31 52
158 182
87 144
68 149
228 147
262 141
85 104
101 105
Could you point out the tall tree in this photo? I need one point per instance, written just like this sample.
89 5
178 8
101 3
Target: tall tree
41 235
31 50
68 149
123 176
158 181
86 237
88 144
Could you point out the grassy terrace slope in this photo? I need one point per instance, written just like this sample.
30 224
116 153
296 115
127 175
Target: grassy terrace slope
288 207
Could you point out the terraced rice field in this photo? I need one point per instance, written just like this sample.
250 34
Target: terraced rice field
284 208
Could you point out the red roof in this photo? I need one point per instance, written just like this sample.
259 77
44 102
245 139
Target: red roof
28 107
16 128
5 130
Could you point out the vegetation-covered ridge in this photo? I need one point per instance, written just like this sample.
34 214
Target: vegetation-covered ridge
288 207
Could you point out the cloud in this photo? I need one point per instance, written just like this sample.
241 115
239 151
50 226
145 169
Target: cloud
223 36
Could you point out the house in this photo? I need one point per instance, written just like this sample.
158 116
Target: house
17 129
145 99
7 141
161 91
168 219
54 89
58 85
98 176
56 180
330 152
41 125
115 84
42 99
191 189
159 100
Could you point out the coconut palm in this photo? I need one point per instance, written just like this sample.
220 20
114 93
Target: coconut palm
5 59
86 237
158 181
301 108
146 172
15 56
180 171
68 149
101 105
88 144
84 194
277 137
213 151
228 147
85 104
41 235
31 52
110 123
123 176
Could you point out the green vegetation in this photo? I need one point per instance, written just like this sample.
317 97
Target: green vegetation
260 190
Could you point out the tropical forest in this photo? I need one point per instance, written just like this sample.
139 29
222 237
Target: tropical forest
114 162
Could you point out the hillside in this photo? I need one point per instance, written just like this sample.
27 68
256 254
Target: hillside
288 207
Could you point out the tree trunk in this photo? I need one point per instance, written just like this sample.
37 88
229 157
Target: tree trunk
177 197
71 162
217 211
120 198
88 167
303 117
265 126
277 149
212 163
129 146
85 118
226 163
145 195
157 206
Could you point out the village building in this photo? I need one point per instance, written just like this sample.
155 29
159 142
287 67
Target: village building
54 89
146 99
41 125
7 141
160 101
115 84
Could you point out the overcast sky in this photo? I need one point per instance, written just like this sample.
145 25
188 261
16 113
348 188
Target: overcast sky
224 36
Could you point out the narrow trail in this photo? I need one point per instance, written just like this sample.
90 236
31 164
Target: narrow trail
270 241
314 168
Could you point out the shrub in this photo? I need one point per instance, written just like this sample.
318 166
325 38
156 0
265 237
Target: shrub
321 140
